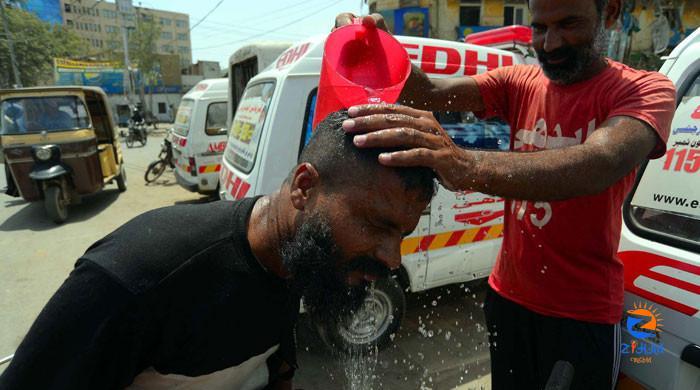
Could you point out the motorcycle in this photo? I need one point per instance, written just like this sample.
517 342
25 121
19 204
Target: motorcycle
137 132
165 159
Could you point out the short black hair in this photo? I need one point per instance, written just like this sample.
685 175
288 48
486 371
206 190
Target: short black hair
339 162
599 5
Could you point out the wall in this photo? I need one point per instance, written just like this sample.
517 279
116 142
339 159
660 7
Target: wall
444 14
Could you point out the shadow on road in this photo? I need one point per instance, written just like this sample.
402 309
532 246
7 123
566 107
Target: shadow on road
33 217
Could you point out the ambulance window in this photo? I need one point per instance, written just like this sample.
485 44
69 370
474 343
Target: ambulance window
469 132
216 119
247 126
308 119
182 118
665 205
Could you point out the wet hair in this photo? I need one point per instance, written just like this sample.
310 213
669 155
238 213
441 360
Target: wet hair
599 5
340 163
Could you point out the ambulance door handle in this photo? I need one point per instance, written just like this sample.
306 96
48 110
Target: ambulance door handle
691 355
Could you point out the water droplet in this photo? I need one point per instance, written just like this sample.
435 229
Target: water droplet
434 303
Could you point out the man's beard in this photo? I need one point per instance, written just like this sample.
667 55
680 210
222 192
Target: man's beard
579 59
312 258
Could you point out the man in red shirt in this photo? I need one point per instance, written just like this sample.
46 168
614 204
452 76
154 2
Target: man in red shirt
581 124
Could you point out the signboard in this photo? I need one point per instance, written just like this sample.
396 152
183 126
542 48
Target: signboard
46 10
412 21
106 75
672 183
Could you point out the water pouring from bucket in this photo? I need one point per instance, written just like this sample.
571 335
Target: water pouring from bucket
361 64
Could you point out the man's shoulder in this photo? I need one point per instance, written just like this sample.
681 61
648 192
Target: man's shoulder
153 245
630 76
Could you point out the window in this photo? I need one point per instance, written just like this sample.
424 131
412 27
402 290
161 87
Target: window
166 35
167 48
69 23
182 36
181 23
34 115
308 120
162 108
470 13
469 132
110 14
247 126
216 119
183 116
514 13
665 205
183 50
67 8
166 22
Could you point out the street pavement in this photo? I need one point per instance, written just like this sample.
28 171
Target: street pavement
442 342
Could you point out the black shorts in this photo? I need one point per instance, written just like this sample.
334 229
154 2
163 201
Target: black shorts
525 345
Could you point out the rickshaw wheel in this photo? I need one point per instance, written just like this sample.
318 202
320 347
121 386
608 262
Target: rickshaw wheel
129 140
56 207
121 179
144 138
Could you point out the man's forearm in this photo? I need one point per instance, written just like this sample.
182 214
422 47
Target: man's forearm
449 94
541 176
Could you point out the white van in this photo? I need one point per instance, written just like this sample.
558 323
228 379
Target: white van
660 247
198 136
458 237
248 61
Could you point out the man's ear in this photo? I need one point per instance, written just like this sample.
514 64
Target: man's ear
612 13
304 180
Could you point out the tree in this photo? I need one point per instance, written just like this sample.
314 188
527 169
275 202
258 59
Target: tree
142 50
36 44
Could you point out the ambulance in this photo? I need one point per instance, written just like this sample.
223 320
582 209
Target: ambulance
198 136
459 234
660 248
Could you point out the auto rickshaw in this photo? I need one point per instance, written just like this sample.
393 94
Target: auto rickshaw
59 143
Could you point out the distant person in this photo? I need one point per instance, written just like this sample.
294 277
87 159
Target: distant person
213 304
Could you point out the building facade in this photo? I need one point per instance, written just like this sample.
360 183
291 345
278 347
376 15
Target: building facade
646 27
100 23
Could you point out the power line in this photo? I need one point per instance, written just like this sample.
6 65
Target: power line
205 16
271 30
256 19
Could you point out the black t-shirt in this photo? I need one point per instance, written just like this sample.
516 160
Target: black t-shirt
176 290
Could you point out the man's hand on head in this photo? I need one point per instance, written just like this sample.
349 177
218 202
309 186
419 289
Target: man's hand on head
423 142
373 20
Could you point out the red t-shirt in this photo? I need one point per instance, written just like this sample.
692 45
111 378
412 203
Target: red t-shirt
560 258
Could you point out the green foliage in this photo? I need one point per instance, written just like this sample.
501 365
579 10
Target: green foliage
36 43
142 44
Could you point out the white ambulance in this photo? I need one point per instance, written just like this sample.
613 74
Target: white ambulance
457 238
660 248
198 136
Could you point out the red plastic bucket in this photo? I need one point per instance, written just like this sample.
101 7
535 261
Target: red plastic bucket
360 65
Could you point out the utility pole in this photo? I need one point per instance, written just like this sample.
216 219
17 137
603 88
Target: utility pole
124 7
10 46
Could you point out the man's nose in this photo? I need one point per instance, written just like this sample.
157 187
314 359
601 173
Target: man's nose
552 40
389 253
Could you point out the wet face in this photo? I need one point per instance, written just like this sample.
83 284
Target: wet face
348 238
570 38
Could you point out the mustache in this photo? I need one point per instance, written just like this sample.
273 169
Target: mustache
367 265
557 54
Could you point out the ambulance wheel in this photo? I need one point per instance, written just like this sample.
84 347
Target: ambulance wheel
56 207
373 325
155 169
